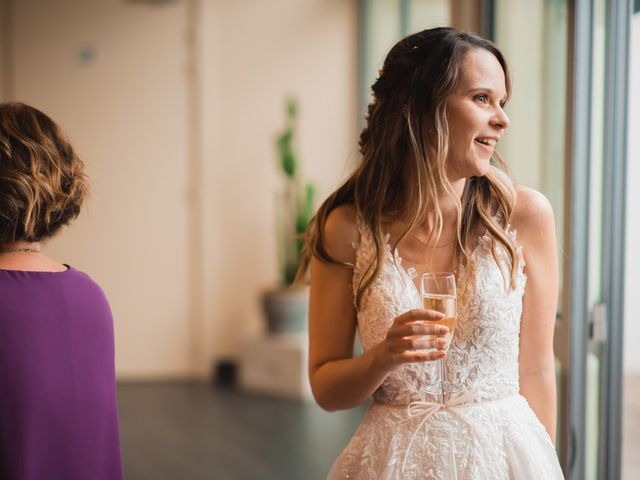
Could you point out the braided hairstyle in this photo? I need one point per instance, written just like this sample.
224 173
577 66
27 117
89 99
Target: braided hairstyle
404 149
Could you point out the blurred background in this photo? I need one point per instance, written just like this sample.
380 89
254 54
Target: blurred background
177 107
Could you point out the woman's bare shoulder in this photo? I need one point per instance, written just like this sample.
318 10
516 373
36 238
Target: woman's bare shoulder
530 204
340 233
532 215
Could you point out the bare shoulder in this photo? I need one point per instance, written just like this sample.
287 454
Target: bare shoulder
340 233
532 217
532 209
530 203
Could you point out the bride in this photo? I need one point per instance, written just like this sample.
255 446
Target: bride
432 195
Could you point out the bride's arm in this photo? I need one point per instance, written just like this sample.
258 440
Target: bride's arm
534 221
339 380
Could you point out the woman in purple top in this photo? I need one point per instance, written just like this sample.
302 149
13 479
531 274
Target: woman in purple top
58 414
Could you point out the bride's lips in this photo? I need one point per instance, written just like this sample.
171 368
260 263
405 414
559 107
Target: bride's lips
487 142
483 146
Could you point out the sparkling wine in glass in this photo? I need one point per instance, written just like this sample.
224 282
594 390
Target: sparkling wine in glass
439 294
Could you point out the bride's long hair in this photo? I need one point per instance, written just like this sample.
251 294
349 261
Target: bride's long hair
404 148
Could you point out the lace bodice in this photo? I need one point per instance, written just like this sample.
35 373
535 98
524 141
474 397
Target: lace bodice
484 351
487 430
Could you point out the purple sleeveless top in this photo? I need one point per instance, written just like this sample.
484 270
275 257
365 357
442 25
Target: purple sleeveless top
58 413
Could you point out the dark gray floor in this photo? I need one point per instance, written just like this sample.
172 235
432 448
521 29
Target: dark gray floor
193 431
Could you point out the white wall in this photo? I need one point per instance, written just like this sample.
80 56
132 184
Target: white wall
256 53
3 72
632 253
5 32
165 125
519 28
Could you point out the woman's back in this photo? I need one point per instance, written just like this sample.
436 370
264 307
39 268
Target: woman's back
58 413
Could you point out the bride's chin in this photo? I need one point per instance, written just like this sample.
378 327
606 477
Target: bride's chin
482 168
477 168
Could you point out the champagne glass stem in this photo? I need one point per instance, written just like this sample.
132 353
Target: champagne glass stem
441 375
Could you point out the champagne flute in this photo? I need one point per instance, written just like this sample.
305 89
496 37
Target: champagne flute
439 293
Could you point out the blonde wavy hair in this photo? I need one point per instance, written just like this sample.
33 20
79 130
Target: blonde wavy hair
42 180
404 149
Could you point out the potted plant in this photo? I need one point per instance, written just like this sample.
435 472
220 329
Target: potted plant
286 306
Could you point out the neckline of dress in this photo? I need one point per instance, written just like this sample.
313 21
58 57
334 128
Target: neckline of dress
397 260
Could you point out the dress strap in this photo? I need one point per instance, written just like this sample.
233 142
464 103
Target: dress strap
364 249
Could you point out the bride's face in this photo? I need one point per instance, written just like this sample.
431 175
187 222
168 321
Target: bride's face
475 115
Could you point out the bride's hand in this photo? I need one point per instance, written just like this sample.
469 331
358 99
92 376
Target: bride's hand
408 335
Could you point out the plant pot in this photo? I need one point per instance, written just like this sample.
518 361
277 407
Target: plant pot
286 309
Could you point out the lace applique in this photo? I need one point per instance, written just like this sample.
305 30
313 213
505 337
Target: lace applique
483 359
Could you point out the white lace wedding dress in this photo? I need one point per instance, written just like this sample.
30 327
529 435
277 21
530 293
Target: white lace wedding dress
487 431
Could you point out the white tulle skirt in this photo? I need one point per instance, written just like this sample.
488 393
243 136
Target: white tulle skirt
491 440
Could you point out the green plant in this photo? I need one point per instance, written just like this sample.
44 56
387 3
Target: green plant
295 207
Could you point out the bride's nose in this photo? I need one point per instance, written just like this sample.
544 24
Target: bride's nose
500 119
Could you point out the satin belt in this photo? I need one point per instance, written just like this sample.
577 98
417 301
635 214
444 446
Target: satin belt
426 409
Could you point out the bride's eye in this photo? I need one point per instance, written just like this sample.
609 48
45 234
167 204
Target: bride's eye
481 98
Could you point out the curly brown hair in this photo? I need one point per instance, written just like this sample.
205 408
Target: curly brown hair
42 180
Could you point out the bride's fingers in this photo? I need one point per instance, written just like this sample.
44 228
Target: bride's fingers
416 357
422 342
419 314
414 329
